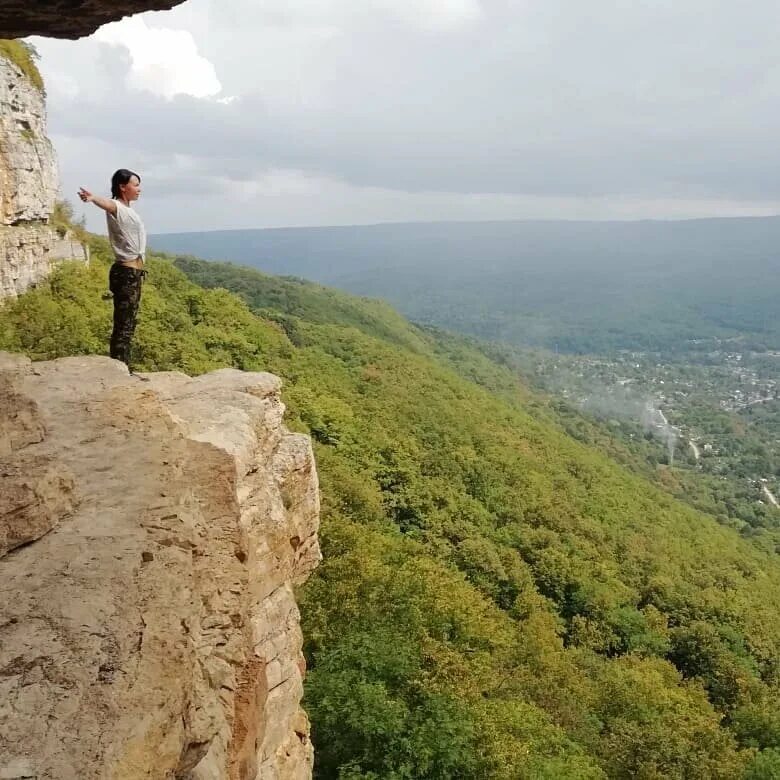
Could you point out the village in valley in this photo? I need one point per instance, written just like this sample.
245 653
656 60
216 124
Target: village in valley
712 417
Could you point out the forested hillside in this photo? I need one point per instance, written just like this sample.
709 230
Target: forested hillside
497 600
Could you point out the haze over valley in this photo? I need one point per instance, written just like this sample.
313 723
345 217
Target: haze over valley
572 286
665 332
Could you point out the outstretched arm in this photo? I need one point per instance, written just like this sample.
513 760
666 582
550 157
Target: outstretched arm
104 203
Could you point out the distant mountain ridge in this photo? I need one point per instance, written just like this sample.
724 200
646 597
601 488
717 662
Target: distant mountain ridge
577 286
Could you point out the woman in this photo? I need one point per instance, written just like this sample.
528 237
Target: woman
127 236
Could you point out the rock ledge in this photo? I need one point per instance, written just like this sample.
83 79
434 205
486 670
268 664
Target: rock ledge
151 533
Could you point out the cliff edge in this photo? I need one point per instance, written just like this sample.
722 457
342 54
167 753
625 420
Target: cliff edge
151 533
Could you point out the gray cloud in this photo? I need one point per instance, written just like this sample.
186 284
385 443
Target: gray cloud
600 109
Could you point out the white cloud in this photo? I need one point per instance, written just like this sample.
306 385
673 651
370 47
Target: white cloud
433 14
164 62
346 14
374 110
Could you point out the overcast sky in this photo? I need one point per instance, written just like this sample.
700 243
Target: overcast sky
259 113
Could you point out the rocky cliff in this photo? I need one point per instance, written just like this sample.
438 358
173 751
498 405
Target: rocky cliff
29 245
151 534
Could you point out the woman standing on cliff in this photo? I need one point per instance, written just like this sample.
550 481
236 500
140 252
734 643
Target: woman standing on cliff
127 236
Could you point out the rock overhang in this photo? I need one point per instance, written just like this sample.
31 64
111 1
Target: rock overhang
69 18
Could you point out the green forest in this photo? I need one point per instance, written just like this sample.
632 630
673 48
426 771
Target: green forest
496 599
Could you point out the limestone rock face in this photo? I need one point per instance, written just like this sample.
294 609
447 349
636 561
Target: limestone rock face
28 167
68 18
29 252
36 490
29 246
154 531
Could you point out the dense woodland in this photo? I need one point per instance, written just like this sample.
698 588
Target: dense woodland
497 599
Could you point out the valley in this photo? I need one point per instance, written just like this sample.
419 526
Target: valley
713 420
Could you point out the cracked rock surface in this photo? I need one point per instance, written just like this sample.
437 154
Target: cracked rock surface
154 531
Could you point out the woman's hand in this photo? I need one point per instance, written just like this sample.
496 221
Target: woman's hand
103 203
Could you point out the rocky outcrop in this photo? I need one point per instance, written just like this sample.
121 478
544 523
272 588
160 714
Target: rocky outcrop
28 253
66 18
151 535
29 245
28 167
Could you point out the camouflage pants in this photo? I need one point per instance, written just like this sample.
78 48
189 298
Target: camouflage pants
125 285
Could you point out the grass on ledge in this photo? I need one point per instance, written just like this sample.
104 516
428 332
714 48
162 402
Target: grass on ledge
22 55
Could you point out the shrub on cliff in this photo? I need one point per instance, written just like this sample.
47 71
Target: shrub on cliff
23 55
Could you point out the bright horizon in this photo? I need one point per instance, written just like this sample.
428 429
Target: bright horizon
470 221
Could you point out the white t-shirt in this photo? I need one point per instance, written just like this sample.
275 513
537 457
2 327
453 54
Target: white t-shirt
126 233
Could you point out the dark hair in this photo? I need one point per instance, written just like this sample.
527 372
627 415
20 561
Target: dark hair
122 176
